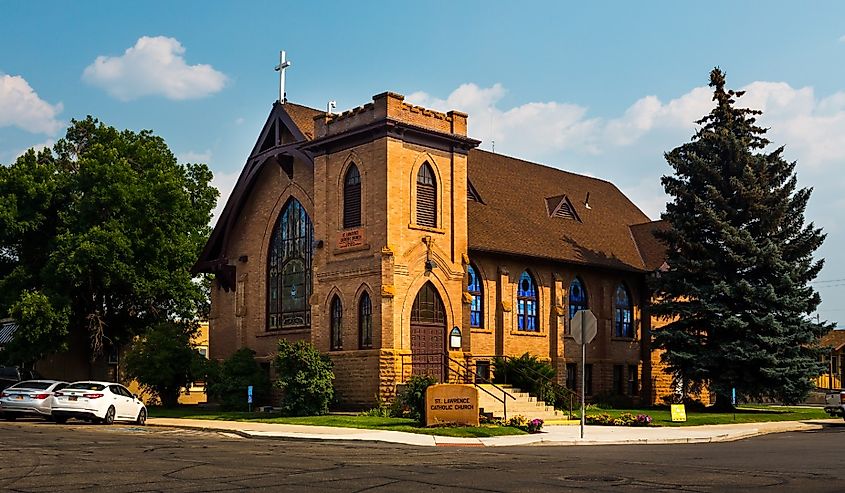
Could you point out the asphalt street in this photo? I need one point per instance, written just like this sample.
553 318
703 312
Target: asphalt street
39 457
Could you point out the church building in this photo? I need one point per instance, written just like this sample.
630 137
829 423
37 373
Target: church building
387 239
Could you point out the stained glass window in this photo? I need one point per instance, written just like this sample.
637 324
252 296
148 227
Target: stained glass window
337 323
365 321
289 269
623 313
526 300
427 306
476 318
577 300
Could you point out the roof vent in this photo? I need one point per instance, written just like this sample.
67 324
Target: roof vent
560 206
472 193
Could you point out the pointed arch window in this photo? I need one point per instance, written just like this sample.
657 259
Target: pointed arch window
426 197
474 288
577 299
365 321
337 323
428 308
526 303
289 269
623 313
352 198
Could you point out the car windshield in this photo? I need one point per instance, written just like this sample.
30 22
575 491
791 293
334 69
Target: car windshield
32 385
85 386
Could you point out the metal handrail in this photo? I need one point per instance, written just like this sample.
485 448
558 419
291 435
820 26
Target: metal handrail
557 389
505 393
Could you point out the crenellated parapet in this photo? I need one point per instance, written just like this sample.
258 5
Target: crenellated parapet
391 106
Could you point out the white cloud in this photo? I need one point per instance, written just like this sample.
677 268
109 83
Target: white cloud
154 66
239 120
20 106
225 183
842 39
194 157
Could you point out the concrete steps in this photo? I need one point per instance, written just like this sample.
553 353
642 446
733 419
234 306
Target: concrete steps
521 404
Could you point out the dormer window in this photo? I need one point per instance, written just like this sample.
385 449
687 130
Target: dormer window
560 206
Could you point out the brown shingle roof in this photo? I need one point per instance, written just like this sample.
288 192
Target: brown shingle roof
652 250
303 117
514 217
834 338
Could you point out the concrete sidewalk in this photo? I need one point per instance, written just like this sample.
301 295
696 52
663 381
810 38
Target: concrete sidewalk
551 435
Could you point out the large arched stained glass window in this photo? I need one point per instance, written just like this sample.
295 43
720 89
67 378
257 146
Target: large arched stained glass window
365 321
476 317
426 197
337 323
577 299
289 269
352 198
623 313
526 301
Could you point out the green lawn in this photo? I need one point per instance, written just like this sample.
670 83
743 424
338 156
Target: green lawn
744 414
341 420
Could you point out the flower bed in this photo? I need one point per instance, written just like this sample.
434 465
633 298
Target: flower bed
624 419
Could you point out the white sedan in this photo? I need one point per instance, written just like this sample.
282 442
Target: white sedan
103 402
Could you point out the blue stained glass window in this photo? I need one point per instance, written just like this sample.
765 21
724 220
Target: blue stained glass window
289 269
526 303
577 299
476 318
623 313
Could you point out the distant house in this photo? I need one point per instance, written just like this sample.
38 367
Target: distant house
834 360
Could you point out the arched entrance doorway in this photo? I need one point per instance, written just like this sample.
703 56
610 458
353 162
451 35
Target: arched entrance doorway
428 333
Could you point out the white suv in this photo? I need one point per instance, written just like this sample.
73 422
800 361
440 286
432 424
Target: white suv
103 402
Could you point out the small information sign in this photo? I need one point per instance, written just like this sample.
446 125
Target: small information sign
451 403
350 238
679 412
249 394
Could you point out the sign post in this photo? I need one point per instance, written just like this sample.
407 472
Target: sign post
583 329
249 397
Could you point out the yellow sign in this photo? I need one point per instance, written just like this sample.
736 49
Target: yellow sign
679 412
451 403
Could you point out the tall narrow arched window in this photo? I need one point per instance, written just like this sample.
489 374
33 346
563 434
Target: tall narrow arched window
476 317
365 321
426 197
577 299
352 198
526 303
289 269
337 323
623 313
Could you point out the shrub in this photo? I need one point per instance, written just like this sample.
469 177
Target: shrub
411 400
164 362
624 419
608 400
527 373
305 377
534 426
228 382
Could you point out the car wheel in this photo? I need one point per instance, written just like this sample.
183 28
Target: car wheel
109 419
142 418
59 420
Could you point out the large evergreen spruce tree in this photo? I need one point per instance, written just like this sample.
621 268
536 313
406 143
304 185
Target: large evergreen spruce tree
740 256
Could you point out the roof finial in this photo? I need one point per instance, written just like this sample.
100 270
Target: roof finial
280 68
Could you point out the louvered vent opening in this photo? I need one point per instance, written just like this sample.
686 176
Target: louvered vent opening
472 193
560 206
352 198
426 206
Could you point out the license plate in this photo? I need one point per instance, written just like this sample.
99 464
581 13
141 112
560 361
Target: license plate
72 398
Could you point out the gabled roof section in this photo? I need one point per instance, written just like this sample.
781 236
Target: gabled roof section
652 250
288 127
515 217
835 338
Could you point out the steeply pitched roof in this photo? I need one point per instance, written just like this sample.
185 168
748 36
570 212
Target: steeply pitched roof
514 218
834 338
303 117
652 250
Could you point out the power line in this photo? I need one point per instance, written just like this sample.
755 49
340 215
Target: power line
828 280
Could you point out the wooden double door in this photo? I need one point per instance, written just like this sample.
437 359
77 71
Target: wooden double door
428 334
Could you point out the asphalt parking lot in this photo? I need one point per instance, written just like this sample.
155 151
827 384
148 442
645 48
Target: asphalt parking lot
38 456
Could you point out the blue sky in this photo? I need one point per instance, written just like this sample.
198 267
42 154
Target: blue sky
601 88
